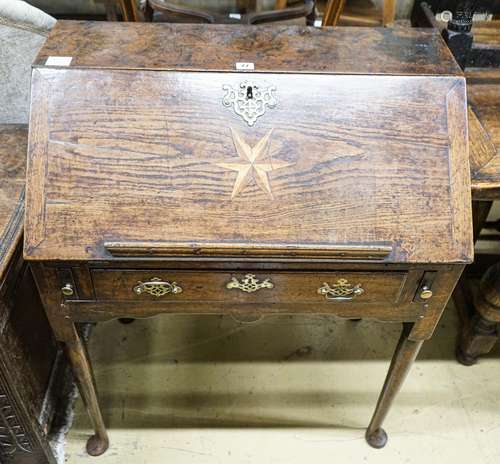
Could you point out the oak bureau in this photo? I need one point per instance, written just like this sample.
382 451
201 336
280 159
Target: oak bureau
219 169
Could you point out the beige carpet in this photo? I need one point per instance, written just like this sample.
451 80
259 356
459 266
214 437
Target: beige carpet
206 389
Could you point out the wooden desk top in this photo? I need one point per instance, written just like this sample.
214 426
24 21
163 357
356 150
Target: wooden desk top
483 87
13 143
293 49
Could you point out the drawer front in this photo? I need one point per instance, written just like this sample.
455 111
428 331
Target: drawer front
249 287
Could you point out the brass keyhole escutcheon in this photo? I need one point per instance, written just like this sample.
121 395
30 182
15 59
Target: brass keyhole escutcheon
249 284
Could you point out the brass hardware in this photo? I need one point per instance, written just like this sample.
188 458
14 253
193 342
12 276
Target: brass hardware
249 284
157 287
425 293
424 290
67 290
249 100
342 290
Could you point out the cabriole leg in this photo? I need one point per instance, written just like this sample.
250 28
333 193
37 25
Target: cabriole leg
406 352
77 353
65 331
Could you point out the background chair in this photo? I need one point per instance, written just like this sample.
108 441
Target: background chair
112 10
240 13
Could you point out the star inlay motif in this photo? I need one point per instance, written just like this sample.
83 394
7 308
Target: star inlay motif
252 165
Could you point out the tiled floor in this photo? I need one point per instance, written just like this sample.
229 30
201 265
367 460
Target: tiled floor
207 389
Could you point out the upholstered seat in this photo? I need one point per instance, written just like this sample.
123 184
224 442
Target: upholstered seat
23 29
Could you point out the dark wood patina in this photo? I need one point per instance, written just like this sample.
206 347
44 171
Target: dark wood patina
149 192
31 368
477 48
480 313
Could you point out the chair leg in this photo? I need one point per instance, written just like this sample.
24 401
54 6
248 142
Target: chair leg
148 13
333 10
311 17
110 6
389 12
479 328
478 337
78 356
406 352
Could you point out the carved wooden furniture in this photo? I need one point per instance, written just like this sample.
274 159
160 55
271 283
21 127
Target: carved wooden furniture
479 329
31 368
305 9
477 49
459 33
295 170
480 314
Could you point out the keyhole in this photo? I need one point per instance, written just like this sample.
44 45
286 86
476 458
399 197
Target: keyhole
249 93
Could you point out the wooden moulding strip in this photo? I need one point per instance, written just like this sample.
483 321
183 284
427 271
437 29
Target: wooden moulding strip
167 249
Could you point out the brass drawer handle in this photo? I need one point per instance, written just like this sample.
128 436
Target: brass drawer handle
157 287
249 284
342 290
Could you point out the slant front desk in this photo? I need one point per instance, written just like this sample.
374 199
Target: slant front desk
215 169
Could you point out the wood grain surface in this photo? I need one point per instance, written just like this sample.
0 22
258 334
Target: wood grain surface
13 145
138 170
31 371
189 47
296 287
483 87
135 156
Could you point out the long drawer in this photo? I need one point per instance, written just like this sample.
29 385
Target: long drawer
249 287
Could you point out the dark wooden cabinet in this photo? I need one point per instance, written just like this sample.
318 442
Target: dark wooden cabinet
31 366
480 314
193 168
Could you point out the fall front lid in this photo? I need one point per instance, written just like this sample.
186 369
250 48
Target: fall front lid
126 160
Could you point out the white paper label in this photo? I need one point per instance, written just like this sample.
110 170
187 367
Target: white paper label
245 66
58 61
234 15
